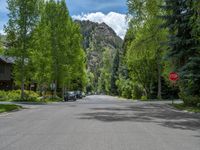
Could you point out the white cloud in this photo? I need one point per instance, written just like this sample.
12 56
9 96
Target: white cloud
2 32
115 20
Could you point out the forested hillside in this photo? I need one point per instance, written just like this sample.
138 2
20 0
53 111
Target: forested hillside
101 45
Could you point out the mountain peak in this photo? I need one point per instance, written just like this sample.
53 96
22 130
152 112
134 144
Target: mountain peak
98 37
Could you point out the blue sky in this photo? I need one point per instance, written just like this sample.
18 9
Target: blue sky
77 7
113 10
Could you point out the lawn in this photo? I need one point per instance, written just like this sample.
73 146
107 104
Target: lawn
9 107
187 108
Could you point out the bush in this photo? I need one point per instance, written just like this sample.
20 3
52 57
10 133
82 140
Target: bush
124 87
137 92
144 98
15 95
190 100
129 89
3 96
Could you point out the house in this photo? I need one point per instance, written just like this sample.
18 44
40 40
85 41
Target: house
6 80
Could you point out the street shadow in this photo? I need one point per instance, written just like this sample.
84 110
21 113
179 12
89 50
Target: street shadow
161 114
113 117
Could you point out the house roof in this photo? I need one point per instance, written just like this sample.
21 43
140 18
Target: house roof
6 59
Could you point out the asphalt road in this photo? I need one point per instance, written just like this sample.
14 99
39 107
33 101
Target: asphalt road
100 123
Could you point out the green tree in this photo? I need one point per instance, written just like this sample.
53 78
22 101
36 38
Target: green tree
57 44
77 59
182 21
23 16
115 74
90 82
104 81
144 51
1 45
41 52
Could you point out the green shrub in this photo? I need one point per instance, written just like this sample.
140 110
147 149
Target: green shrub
137 92
191 100
31 95
15 95
124 87
129 89
144 98
3 96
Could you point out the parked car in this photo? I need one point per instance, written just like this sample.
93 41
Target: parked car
79 94
70 95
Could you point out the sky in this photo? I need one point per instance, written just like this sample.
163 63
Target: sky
112 12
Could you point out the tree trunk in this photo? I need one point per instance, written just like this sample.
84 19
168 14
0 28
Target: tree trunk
43 92
22 73
55 89
24 49
159 86
63 91
22 89
159 94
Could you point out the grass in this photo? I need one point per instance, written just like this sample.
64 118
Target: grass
187 108
9 107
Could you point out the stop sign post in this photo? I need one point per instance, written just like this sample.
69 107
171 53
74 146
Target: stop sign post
173 77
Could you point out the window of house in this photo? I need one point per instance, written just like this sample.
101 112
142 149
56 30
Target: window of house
2 68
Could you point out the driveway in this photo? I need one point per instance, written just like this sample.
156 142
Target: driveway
100 123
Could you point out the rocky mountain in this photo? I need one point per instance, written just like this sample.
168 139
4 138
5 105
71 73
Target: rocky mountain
98 38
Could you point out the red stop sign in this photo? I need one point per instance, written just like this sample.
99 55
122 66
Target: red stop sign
173 76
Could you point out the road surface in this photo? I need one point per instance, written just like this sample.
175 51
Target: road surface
100 123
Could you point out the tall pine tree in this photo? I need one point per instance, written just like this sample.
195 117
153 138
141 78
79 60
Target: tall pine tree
184 50
114 75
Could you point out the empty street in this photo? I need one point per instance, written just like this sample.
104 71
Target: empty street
100 123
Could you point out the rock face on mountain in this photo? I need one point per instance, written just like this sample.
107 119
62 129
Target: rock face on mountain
98 38
101 33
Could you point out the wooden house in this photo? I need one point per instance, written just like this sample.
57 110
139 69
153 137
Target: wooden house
6 80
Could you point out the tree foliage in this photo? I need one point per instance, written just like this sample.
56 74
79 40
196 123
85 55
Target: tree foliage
64 58
1 45
23 16
104 81
115 74
182 21
143 48
46 44
151 51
